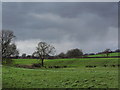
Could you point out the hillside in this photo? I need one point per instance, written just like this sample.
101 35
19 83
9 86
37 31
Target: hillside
103 55
77 62
76 75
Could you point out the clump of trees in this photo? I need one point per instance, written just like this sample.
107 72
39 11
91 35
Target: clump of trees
73 53
9 49
43 50
62 55
23 55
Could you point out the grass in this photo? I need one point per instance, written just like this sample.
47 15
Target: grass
60 78
75 76
102 55
77 62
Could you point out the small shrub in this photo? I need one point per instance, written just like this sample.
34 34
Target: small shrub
64 66
57 66
50 67
118 65
105 65
113 65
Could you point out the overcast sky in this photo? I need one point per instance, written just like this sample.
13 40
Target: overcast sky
91 26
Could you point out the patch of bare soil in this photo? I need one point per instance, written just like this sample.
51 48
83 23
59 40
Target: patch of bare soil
26 66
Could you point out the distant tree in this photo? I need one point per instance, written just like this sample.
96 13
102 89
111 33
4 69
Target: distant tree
99 53
107 52
61 55
74 53
28 56
8 46
24 55
118 50
91 53
43 49
86 54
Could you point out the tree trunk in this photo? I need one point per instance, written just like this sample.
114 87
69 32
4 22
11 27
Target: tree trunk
42 62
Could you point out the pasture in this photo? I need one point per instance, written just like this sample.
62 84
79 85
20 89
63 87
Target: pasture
102 55
76 75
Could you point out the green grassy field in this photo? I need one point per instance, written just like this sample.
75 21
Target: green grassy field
102 55
76 62
75 76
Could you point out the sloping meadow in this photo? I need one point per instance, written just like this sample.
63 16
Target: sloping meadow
76 75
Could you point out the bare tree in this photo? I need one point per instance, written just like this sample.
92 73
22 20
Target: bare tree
43 49
6 42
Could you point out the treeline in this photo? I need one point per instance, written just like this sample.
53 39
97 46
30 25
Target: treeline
108 51
73 53
8 50
70 54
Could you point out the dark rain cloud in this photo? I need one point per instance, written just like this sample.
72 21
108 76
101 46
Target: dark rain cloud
83 23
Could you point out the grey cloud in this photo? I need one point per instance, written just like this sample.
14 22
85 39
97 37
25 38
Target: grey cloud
60 1
0 15
68 23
